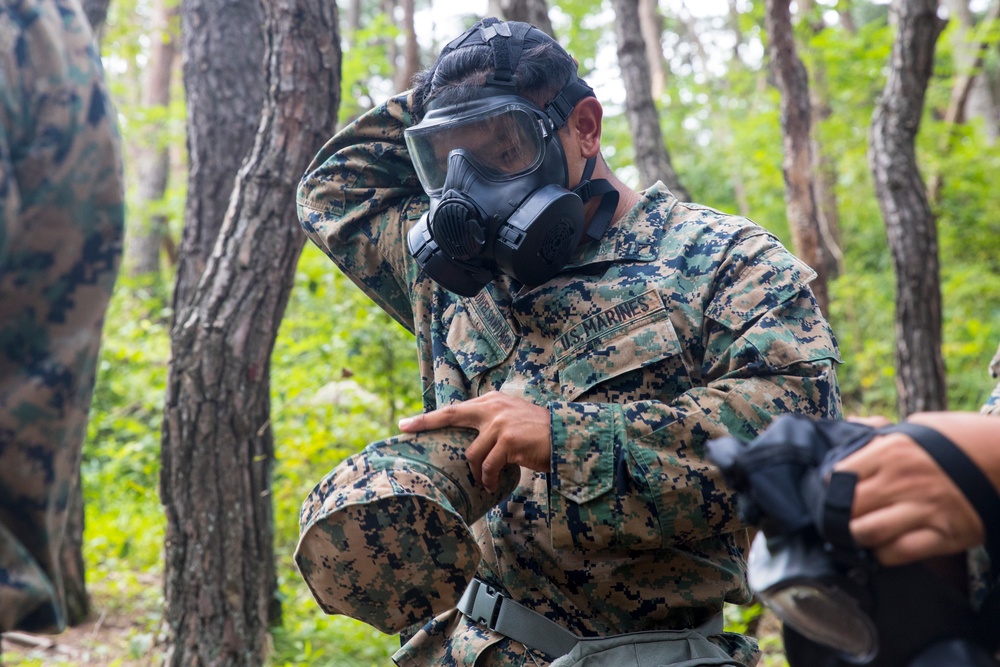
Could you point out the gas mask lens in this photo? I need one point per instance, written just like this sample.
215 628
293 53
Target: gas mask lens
796 580
500 137
825 615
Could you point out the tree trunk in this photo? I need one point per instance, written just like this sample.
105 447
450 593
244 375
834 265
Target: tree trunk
353 18
970 55
902 197
651 156
142 252
824 165
825 182
796 122
217 442
411 49
223 49
980 103
651 24
535 12
97 14
845 12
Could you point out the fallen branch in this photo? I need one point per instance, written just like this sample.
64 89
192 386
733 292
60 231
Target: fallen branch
39 643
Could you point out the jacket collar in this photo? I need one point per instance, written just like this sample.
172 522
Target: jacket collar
635 236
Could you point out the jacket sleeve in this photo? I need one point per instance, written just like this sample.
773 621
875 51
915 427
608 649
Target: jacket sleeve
634 475
358 199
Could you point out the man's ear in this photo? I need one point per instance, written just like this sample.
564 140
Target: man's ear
585 125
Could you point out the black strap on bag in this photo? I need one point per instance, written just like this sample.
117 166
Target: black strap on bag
486 605
983 497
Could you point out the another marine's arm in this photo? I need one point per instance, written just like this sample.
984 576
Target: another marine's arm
61 225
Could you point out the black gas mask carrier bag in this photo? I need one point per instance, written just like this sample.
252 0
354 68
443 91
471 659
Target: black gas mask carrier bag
838 605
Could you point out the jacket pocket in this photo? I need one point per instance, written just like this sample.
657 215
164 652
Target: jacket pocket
615 342
479 336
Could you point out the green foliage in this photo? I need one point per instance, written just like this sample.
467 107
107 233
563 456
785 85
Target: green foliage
121 455
859 305
582 26
366 71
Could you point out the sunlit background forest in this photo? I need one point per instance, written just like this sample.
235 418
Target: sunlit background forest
343 372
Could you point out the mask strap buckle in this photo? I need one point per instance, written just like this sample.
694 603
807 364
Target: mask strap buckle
506 51
560 108
587 189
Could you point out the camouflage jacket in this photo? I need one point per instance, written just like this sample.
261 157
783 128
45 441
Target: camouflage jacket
61 224
680 325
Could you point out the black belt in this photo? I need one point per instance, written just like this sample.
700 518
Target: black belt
484 604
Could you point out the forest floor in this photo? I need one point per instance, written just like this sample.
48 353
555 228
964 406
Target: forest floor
105 641
116 634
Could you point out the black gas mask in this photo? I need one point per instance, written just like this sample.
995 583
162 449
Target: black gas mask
839 606
496 175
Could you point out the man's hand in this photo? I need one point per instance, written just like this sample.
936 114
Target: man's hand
511 430
905 507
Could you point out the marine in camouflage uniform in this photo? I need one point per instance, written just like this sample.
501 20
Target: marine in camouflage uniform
680 325
62 213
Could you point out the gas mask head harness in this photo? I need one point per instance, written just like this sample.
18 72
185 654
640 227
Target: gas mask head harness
495 171
839 606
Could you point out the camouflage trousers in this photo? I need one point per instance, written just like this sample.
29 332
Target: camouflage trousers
61 224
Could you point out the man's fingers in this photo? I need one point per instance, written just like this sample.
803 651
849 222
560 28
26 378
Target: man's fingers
885 525
872 494
466 414
477 452
494 463
914 545
871 458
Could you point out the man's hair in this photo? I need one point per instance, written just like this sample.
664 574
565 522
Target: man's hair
541 72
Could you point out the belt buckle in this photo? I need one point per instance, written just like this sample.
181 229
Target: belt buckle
486 605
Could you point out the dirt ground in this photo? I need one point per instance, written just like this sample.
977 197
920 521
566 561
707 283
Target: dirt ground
108 639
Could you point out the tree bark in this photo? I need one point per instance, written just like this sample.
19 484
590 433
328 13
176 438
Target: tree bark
411 49
845 12
651 155
902 197
651 24
535 12
217 444
970 63
223 49
824 164
796 123
142 252
97 14
980 102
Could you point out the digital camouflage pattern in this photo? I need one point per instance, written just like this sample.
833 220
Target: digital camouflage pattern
393 521
681 325
62 215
